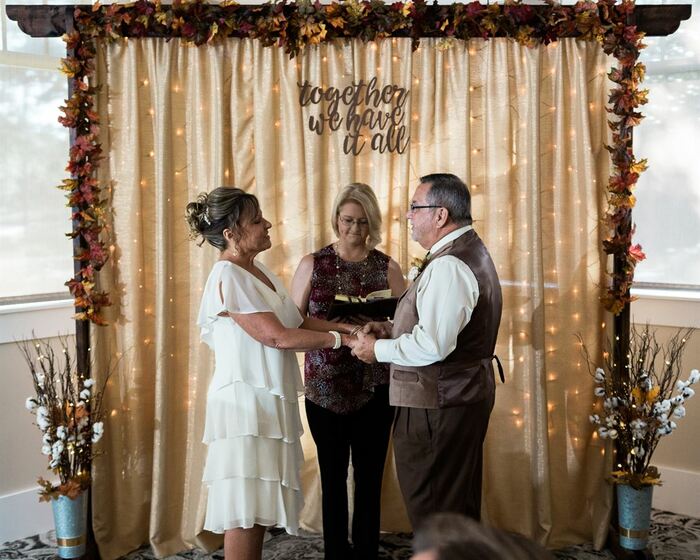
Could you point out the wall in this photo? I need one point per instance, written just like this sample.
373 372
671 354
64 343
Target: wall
678 455
681 449
21 461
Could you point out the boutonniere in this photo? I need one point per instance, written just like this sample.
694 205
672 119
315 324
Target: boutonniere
417 266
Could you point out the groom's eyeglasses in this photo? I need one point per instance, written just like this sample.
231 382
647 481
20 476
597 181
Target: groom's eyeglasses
414 207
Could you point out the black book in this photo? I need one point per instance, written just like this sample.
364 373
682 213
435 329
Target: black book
375 307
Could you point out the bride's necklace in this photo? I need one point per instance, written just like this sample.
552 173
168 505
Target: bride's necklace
364 274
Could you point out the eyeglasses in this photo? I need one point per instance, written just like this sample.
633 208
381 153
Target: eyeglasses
414 207
346 220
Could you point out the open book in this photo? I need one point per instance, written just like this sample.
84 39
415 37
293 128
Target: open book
379 304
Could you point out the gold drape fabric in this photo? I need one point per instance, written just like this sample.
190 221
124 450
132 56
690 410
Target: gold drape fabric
525 128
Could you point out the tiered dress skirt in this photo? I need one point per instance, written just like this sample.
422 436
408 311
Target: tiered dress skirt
253 432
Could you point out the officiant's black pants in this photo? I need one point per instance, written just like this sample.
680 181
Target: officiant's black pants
439 455
365 433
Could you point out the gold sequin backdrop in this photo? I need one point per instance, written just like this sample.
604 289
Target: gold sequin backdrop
525 128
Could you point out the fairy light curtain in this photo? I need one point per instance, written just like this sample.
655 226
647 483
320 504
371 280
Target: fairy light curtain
525 127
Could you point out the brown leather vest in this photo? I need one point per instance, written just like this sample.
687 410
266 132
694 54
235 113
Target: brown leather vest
466 375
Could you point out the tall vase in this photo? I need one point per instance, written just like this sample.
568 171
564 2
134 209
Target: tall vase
634 515
70 521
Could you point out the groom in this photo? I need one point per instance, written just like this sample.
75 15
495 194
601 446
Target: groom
441 347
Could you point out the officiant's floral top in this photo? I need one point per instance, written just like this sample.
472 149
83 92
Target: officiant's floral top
335 379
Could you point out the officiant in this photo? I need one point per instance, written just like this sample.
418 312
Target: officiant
347 402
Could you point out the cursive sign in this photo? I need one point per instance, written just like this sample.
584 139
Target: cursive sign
382 110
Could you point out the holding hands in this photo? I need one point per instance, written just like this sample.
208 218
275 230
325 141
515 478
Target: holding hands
380 329
363 345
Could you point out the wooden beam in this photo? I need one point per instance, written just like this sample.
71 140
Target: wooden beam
50 21
660 21
40 21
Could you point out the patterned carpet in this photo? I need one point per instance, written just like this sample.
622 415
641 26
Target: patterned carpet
673 537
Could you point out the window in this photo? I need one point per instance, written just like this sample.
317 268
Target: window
667 212
35 254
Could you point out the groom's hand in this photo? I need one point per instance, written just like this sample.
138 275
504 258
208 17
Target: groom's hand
380 329
364 347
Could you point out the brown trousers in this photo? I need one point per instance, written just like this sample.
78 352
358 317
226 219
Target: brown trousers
439 455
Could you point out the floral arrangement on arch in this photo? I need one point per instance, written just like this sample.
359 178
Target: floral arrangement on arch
68 411
642 407
293 26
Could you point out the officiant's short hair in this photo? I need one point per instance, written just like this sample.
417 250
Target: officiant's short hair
363 195
449 191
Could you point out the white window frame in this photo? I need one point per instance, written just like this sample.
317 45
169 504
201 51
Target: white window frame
662 303
36 319
45 316
665 306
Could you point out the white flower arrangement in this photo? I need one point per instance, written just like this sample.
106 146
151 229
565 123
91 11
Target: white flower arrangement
638 410
68 412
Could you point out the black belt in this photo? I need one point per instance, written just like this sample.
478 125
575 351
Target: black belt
485 362
500 369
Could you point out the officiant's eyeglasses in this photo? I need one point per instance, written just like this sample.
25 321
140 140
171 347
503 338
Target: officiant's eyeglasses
414 207
350 222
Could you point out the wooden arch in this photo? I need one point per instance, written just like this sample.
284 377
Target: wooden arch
43 21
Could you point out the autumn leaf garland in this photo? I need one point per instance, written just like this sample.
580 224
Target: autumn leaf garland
83 191
292 27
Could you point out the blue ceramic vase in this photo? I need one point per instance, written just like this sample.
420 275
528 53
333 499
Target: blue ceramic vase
634 515
70 521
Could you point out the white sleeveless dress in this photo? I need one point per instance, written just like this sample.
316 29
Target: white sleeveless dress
252 426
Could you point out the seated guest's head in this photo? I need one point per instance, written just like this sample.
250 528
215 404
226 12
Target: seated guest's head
452 536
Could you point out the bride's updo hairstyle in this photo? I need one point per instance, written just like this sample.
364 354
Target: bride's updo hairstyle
223 208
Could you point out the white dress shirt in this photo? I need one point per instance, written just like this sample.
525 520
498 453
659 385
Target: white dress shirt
446 297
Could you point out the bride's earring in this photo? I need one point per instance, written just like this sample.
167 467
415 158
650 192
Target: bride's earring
229 239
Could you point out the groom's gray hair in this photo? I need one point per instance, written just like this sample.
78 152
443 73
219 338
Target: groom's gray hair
450 192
